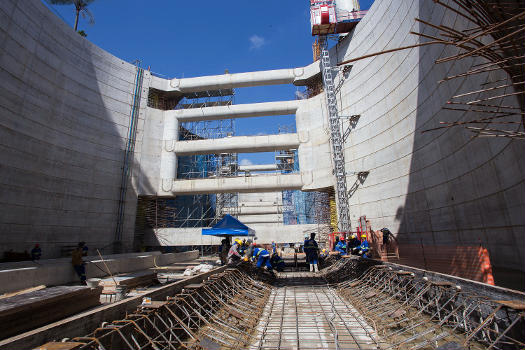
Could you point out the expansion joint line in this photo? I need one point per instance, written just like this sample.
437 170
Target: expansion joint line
336 137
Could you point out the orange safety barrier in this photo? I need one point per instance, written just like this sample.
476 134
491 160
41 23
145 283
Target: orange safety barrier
472 262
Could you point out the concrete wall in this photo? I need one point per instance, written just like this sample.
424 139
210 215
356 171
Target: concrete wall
65 108
437 188
53 272
265 233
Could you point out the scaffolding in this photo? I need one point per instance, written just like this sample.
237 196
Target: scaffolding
202 210
300 207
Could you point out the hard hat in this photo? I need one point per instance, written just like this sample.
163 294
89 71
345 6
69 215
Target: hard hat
363 236
352 236
238 241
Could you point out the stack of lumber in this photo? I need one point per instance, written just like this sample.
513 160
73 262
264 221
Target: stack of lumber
129 280
21 313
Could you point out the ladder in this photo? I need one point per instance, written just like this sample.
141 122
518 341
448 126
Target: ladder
336 137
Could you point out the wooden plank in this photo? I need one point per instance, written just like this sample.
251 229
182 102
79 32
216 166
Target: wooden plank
24 312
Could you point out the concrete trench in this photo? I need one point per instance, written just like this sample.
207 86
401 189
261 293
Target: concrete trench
370 306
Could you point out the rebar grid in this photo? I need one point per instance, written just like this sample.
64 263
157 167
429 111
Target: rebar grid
415 313
222 313
312 317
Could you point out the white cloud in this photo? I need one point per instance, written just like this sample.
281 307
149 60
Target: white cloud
300 95
245 161
256 42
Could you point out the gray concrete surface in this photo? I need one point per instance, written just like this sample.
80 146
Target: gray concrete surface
442 187
53 272
65 108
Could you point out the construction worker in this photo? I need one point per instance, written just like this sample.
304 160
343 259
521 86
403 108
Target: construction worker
364 247
223 250
277 262
341 246
233 253
312 253
77 262
335 242
36 252
353 242
274 247
263 258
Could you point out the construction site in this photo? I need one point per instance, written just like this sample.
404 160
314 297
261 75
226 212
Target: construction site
129 218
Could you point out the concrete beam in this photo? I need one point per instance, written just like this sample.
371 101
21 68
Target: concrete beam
238 144
235 111
259 167
297 76
244 184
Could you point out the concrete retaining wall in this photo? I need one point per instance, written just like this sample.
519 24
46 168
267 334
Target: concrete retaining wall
65 108
52 272
436 188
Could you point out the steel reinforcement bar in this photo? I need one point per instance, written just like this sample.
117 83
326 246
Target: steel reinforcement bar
416 313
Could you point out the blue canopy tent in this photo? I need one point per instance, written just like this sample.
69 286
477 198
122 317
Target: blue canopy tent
228 226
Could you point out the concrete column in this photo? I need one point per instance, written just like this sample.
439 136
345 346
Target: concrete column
168 158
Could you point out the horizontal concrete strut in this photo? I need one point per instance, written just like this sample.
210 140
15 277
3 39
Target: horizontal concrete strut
237 144
262 183
236 111
296 76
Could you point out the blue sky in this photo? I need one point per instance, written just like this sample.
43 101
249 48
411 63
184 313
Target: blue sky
179 38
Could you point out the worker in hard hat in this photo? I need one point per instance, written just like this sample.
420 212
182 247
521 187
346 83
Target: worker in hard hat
274 247
233 253
353 243
341 246
263 258
277 262
312 253
364 247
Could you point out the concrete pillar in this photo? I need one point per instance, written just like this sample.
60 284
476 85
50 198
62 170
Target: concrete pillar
168 158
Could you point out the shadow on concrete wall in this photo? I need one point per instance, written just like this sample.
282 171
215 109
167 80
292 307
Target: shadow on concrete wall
66 106
454 197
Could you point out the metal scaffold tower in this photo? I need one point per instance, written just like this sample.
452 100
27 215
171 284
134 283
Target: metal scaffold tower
336 137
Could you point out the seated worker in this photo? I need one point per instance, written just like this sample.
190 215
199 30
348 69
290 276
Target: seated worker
364 247
277 262
233 254
341 246
263 258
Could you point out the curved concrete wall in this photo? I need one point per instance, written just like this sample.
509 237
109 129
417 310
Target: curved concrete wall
436 188
65 108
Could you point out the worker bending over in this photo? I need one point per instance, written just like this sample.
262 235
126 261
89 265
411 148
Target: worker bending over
233 254
263 258
364 247
277 262
312 253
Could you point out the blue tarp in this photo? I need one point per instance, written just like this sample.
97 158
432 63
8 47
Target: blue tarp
228 226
